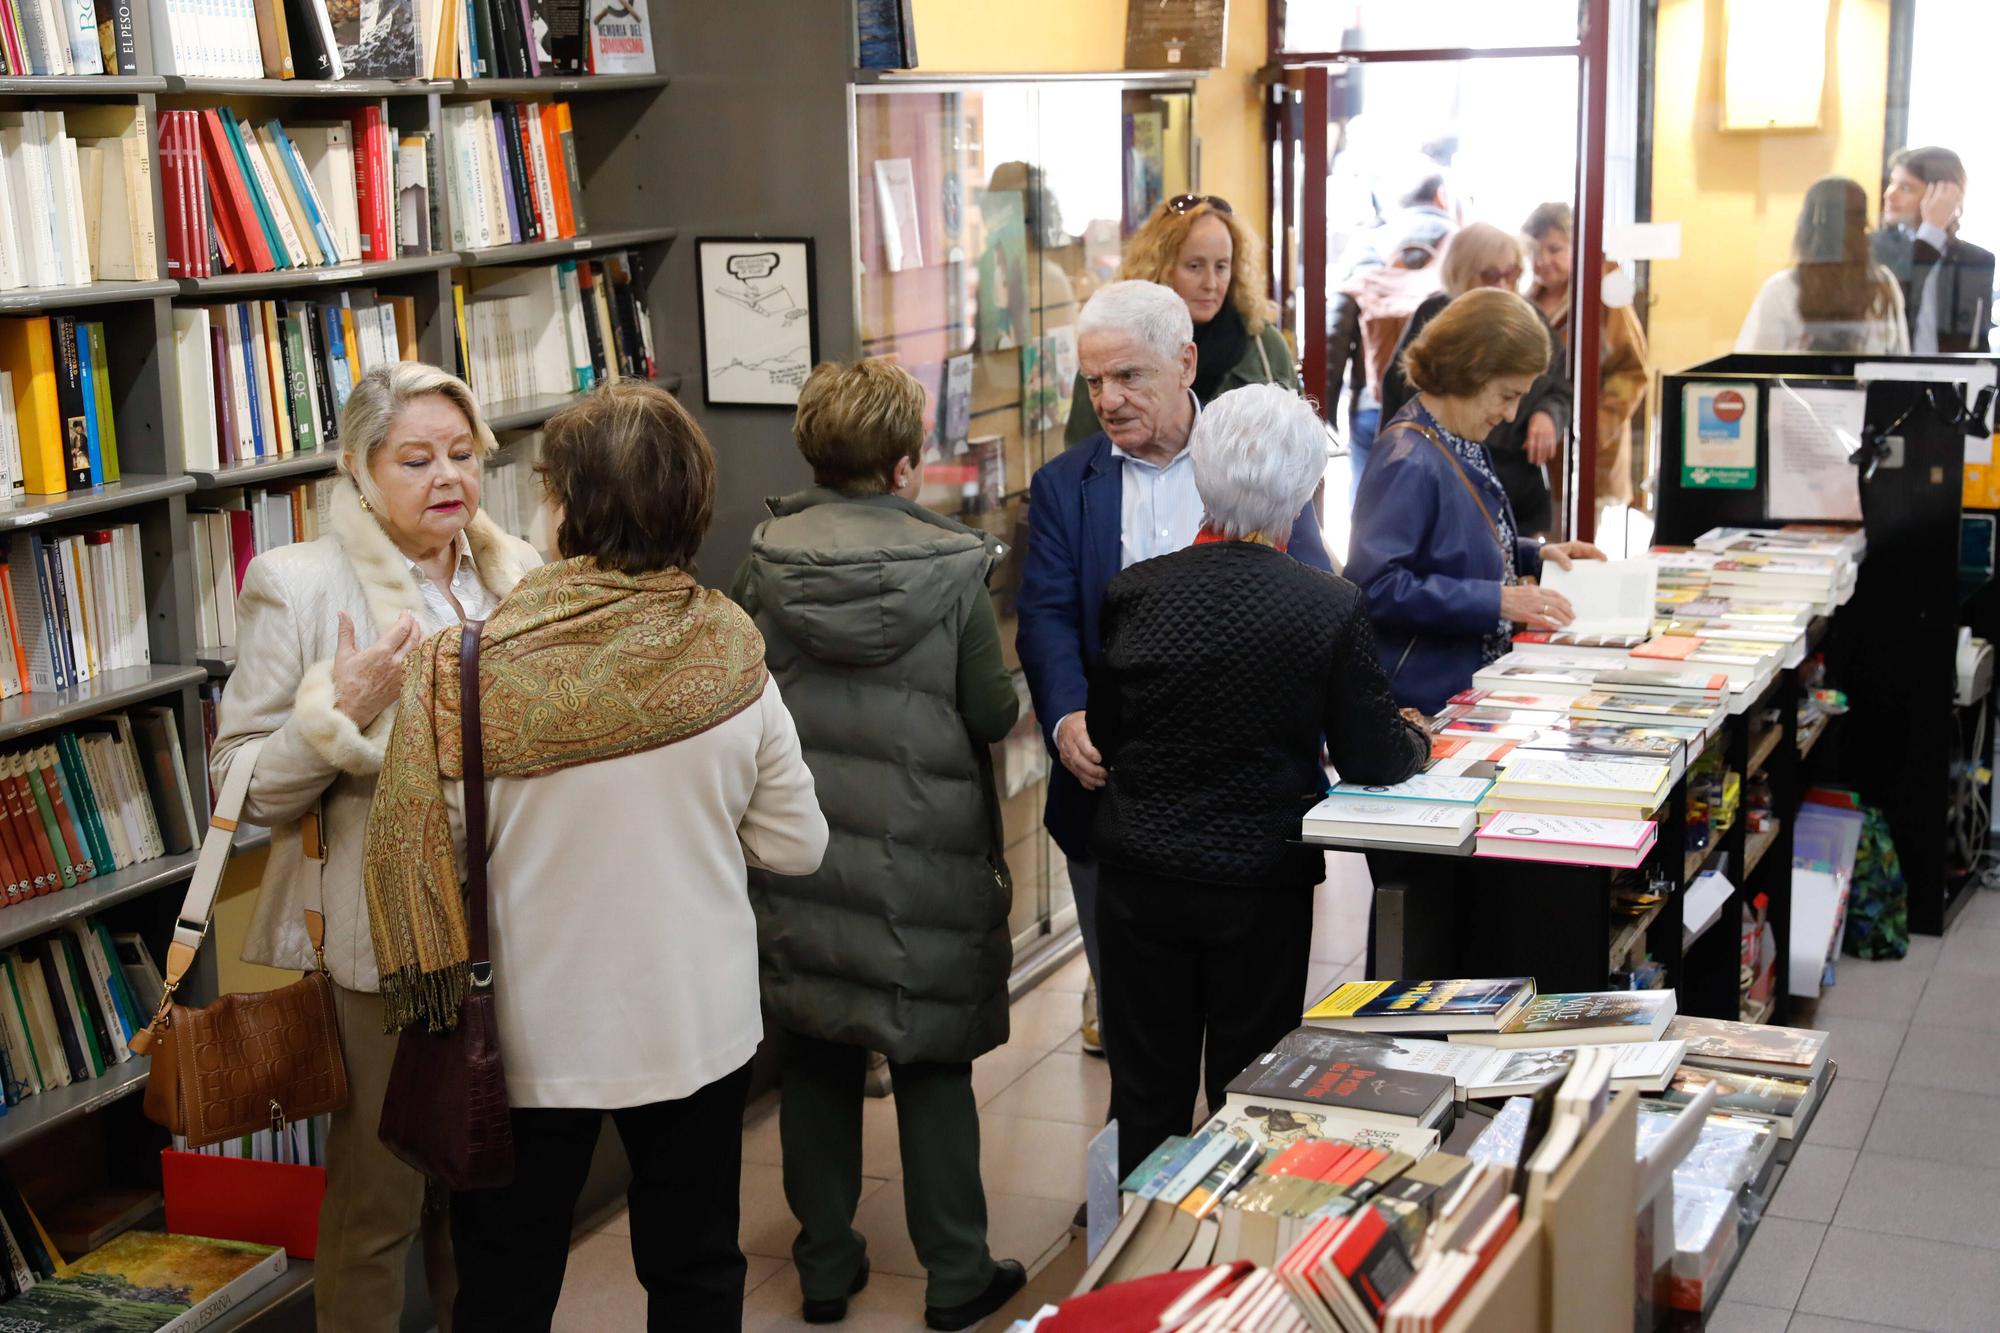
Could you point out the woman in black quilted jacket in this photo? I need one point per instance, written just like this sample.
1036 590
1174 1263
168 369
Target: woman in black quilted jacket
1223 667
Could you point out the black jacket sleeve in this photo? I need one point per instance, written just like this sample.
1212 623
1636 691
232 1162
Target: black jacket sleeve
1104 709
1397 390
1551 392
1345 366
1368 739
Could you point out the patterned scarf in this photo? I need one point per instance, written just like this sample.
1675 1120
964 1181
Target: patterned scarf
578 664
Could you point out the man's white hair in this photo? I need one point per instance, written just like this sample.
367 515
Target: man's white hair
1258 453
1153 314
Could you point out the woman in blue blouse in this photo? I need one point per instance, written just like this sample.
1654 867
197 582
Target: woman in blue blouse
1435 548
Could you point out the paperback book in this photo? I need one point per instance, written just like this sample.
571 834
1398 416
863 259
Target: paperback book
1582 1019
1423 1006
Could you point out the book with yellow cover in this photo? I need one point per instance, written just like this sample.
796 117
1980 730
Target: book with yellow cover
28 353
146 1282
1423 1006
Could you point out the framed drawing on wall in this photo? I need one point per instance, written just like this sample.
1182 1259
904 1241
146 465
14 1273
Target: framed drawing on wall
759 340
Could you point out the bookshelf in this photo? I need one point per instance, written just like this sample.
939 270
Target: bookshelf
625 213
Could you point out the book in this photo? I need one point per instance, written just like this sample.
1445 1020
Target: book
1583 1018
1482 1071
1786 1102
1566 839
1427 787
1422 1006
621 39
1608 597
1751 1048
1390 821
147 1282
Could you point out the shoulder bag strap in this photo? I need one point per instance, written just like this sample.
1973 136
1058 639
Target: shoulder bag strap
1463 480
191 926
472 741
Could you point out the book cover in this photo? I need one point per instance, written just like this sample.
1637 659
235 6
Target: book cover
1458 999
1769 1095
1568 830
146 1282
1719 1039
621 37
1357 1083
1359 811
1423 787
377 39
556 37
27 352
1558 1015
1558 775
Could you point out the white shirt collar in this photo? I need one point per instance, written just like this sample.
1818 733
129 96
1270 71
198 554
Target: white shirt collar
462 545
1123 456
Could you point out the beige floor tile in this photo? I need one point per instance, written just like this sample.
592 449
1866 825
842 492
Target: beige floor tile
1070 977
599 1288
994 1072
768 1227
1076 1088
889 1304
1017 1227
1041 1158
1043 1019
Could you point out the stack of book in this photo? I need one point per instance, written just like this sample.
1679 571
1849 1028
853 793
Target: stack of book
263 379
1773 1074
553 329
258 199
57 431
75 195
512 172
107 794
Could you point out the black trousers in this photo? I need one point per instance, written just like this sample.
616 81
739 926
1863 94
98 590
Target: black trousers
687 1159
1183 963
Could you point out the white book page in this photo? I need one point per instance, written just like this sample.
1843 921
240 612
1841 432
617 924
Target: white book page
1608 596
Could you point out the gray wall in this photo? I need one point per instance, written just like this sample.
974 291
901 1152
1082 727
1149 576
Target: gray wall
755 143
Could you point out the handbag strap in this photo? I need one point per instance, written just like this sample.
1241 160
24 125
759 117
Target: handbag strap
1463 479
472 741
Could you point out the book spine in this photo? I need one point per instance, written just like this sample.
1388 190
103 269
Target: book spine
104 435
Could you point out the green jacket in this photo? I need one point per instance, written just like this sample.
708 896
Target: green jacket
1268 347
880 632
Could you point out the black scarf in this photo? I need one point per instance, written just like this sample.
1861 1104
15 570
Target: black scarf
1218 347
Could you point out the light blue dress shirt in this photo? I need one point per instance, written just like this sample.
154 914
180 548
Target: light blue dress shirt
1924 337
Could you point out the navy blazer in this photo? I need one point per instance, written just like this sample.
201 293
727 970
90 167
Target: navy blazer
1428 566
1075 527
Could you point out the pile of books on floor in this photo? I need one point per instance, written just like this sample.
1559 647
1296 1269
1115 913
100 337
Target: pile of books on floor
1274 1218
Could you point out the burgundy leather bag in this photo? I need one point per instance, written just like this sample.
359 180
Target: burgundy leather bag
446 1109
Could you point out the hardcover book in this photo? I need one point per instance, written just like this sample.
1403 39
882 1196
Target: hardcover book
145 1282
1785 1101
1583 1018
1750 1047
1387 820
1423 787
621 37
1423 1006
1359 1088
1567 839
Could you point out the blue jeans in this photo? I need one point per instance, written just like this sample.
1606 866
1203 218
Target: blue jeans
1362 425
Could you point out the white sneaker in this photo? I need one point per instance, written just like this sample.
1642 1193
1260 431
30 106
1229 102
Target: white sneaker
1093 1041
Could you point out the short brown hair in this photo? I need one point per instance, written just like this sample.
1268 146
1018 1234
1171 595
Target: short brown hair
1479 337
1549 217
1930 165
855 421
635 478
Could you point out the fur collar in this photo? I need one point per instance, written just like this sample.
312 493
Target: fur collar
384 571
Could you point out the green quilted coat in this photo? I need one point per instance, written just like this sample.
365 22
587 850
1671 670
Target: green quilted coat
899 942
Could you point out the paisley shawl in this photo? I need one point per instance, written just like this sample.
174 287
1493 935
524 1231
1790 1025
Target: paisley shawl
578 664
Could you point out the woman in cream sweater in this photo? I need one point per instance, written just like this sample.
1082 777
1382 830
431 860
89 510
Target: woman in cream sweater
322 630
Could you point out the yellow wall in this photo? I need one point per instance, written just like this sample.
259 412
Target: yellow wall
1737 195
1060 36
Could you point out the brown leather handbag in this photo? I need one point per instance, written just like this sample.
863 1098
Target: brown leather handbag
446 1109
246 1062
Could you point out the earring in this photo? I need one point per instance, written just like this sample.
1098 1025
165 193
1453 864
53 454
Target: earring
366 508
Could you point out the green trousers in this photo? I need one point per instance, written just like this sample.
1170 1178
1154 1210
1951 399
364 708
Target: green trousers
944 1200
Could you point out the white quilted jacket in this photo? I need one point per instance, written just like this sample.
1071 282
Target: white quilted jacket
287 617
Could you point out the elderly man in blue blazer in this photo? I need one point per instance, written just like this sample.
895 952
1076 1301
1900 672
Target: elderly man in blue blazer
1123 495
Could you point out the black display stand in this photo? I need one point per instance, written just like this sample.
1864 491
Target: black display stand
1893 648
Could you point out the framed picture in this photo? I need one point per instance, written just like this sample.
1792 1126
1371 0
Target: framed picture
759 340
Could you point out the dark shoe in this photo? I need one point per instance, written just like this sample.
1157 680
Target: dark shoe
1008 1278
1082 1219
834 1308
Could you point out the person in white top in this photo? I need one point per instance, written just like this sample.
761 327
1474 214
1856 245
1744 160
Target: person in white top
639 763
1835 297
406 552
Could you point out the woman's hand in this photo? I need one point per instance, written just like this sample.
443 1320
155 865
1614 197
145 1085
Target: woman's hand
367 680
1414 718
1563 554
1541 441
1537 608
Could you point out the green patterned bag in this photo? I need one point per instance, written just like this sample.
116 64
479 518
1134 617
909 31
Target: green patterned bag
1878 901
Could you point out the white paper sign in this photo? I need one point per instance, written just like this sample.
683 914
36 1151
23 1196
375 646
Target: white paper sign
1813 433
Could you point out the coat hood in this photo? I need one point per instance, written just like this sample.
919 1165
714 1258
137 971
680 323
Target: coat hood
860 581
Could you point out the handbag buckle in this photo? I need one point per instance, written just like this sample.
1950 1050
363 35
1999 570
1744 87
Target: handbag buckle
278 1121
482 975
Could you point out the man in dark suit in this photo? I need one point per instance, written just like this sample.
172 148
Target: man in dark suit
1123 495
1947 282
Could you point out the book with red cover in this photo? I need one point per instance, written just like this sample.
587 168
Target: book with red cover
242 542
33 833
558 169
1309 1158
236 222
170 184
27 869
1669 647
369 180
1372 1260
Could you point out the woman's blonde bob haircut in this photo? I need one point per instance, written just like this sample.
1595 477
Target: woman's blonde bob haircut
1156 247
371 413
1479 337
856 421
1473 248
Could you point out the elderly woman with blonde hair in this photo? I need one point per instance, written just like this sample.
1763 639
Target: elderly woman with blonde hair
323 627
1223 666
1479 257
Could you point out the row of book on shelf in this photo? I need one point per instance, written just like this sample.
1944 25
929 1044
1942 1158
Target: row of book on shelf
1318 1197
75 195
512 172
66 37
58 427
1564 748
552 329
75 606
400 39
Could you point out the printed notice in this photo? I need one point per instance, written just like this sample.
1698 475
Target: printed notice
1814 433
1719 437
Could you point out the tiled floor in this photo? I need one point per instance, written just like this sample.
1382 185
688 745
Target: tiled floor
1886 1219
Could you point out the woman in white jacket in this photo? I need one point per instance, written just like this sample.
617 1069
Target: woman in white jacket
406 553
